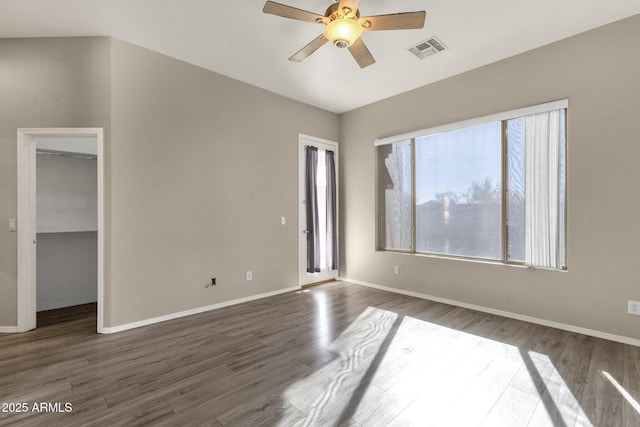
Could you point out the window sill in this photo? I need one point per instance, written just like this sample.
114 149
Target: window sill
470 259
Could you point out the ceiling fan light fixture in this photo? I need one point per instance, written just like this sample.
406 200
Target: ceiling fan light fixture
343 27
343 32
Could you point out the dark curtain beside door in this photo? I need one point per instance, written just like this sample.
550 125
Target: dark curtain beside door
313 226
332 241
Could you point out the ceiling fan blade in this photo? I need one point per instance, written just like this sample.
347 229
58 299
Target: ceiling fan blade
290 12
361 54
351 4
314 45
394 21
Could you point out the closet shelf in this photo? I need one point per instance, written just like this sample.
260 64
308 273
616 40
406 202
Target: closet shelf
65 231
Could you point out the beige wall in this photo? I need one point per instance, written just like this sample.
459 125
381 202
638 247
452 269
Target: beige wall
203 167
598 72
199 170
43 83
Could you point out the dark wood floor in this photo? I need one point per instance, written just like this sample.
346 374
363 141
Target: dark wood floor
330 355
67 314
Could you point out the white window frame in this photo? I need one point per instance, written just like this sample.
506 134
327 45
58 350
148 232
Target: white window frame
562 104
507 115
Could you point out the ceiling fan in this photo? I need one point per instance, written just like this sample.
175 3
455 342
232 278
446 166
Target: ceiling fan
344 26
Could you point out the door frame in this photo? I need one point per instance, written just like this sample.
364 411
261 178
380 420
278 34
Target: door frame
302 214
26 236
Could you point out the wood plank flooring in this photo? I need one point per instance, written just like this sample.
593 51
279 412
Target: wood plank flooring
329 355
66 314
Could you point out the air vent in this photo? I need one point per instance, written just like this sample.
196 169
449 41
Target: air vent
427 47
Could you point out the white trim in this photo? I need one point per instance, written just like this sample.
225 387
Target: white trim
8 329
317 140
516 316
520 112
26 233
26 301
101 209
172 316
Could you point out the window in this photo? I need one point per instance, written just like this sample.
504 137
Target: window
491 188
395 194
458 192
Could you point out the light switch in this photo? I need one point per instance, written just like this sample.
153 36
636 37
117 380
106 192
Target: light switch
283 220
12 224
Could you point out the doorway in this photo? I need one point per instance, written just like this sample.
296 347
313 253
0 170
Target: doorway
55 142
324 269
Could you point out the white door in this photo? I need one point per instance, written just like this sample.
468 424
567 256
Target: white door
325 273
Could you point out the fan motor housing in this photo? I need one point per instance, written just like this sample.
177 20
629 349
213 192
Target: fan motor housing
333 12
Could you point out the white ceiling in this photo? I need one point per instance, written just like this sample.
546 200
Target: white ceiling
234 38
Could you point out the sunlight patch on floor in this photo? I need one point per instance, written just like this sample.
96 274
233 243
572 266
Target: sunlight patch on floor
327 392
634 404
322 321
399 370
557 404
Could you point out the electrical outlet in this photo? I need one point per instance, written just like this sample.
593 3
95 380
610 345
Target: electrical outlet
249 275
283 220
634 307
12 225
396 269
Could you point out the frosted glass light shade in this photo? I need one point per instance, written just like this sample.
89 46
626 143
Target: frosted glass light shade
343 32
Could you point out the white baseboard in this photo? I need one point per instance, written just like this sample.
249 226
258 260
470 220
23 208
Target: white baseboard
8 329
530 319
147 322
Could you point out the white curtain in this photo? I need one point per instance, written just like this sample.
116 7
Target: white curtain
398 198
544 207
